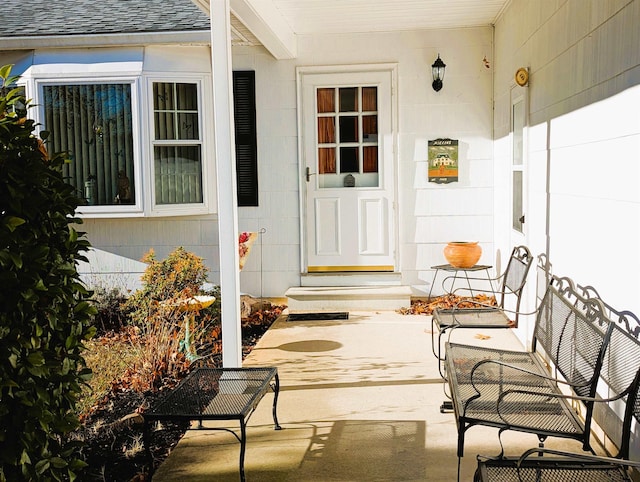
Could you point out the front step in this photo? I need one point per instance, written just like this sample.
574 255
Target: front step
312 299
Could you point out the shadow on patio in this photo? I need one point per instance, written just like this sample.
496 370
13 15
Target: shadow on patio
359 401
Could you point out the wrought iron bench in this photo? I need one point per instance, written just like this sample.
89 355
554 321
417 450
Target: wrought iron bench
515 390
511 281
556 465
216 394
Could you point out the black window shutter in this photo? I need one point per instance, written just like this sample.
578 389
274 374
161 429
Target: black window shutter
244 108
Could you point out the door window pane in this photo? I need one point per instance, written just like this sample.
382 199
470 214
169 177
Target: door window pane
349 99
349 129
326 130
349 159
326 100
370 159
369 98
326 160
370 128
517 201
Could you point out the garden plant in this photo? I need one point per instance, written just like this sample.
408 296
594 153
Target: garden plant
45 313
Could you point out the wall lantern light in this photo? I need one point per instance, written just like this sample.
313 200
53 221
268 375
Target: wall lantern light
437 70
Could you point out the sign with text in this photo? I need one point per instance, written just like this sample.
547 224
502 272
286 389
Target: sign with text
443 161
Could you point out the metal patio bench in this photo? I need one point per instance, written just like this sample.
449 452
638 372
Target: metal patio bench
542 464
216 394
516 390
511 282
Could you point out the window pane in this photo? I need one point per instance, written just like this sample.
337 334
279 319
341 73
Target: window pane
370 128
370 159
369 98
326 100
348 99
93 123
187 96
517 201
349 159
518 128
349 129
188 126
178 171
326 160
175 111
326 130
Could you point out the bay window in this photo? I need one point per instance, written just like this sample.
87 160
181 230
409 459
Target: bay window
119 166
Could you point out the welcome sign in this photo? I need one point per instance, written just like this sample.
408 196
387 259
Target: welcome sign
443 161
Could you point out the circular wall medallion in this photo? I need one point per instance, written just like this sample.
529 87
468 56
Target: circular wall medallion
522 76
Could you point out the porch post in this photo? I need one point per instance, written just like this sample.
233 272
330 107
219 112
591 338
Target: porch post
225 158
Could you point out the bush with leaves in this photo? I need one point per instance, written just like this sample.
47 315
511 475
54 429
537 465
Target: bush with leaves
165 347
45 314
179 275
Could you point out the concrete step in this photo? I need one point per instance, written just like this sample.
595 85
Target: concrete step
312 299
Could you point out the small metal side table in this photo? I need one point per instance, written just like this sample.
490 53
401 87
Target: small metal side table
216 394
455 271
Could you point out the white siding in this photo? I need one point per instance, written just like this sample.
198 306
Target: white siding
584 141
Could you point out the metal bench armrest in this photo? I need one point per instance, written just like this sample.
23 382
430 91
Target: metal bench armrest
580 456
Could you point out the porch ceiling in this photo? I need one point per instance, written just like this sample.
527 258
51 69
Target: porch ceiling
276 23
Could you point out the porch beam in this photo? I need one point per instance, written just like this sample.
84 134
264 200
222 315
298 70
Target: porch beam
225 159
265 22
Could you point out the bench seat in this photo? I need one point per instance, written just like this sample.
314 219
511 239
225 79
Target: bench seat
516 390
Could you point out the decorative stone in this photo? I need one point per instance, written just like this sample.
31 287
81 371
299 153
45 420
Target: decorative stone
462 254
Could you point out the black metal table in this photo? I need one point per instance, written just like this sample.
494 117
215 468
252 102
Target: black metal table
455 271
216 394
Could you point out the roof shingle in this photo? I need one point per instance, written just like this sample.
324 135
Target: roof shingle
82 17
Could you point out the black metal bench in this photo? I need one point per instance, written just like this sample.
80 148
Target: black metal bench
481 316
216 394
543 464
515 390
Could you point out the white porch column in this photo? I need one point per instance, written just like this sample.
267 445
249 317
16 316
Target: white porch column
226 179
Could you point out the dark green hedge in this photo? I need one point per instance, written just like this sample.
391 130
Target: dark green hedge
45 314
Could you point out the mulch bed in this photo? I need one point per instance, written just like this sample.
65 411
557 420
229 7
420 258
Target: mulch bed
112 433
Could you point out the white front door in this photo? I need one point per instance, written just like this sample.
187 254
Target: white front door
348 170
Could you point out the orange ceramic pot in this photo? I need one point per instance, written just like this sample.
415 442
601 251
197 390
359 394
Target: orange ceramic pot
462 254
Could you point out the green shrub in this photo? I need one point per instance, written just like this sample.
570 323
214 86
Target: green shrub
44 309
180 275
163 352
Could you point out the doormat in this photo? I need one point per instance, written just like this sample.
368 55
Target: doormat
342 315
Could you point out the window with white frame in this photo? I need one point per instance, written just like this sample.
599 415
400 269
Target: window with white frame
93 123
96 123
177 144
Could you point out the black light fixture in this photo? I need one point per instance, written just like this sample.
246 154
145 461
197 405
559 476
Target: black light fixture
437 70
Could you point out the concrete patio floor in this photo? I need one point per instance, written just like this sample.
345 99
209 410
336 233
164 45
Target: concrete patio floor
359 401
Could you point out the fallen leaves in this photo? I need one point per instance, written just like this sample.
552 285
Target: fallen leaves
423 307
